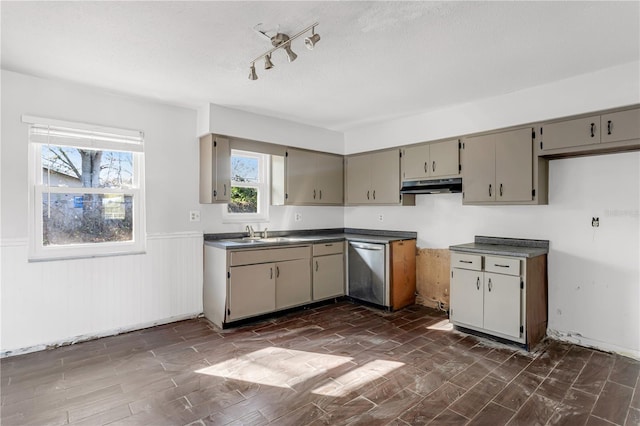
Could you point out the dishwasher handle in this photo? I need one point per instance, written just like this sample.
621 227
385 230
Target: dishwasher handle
374 247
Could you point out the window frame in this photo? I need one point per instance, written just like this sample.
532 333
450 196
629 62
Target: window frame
38 188
263 187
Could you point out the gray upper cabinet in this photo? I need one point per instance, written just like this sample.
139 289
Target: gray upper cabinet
608 132
431 160
374 178
314 178
498 168
215 169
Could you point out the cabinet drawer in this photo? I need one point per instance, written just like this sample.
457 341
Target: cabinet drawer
466 261
502 265
249 257
323 249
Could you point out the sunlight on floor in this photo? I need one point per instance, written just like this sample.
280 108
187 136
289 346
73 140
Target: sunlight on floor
443 325
275 366
370 372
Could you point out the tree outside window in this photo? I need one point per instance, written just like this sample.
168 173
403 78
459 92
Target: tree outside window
249 186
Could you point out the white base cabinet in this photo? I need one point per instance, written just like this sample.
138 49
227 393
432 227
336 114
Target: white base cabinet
498 295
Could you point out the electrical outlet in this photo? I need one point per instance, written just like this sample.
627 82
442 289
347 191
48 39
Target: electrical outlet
194 216
298 217
595 222
380 217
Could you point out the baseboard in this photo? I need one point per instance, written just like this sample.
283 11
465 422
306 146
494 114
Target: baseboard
592 343
93 336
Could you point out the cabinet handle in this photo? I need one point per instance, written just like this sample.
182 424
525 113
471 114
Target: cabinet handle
433 166
329 245
277 271
425 167
609 127
316 266
374 194
314 194
501 190
465 261
320 194
489 190
270 273
215 193
478 283
225 189
367 195
593 129
490 286
500 266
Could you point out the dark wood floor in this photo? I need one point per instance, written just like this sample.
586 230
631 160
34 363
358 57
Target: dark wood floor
335 365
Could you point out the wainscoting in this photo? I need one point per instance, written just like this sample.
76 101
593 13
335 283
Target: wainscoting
58 302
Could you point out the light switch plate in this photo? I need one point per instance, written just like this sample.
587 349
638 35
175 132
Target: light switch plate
298 217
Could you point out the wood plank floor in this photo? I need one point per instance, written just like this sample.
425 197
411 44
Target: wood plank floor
335 365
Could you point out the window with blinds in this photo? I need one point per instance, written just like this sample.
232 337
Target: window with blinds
87 195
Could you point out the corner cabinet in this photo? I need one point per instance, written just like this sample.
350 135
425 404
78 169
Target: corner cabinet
313 177
500 168
431 160
374 179
500 295
215 169
614 131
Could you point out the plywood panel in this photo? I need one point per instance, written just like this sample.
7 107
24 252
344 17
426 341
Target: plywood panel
432 279
403 273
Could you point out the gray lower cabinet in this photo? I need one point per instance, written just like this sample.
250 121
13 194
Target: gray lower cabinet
328 270
244 283
500 295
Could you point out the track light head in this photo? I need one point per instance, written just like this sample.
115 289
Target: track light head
252 72
267 62
310 42
292 56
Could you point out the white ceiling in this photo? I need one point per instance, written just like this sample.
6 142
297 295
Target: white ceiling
375 61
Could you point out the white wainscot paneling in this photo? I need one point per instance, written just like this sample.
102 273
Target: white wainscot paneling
57 302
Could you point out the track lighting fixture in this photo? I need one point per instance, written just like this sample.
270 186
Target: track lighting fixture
267 62
310 42
283 41
252 72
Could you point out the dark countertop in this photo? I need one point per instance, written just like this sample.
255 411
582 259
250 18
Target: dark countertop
504 247
231 241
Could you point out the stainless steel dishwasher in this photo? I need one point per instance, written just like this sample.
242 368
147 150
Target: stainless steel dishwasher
369 272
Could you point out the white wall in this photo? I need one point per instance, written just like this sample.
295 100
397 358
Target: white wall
227 121
49 302
594 274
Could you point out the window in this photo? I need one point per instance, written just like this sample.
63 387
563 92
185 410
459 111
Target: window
249 187
87 190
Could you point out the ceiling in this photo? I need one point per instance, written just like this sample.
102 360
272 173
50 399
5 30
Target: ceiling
375 60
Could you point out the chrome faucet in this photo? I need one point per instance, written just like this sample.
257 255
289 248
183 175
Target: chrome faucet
264 233
249 229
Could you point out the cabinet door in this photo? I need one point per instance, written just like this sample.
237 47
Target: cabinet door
403 273
330 179
583 131
621 126
444 158
385 177
215 169
415 162
479 162
358 179
502 304
293 283
328 276
223 169
301 177
467 294
514 165
252 290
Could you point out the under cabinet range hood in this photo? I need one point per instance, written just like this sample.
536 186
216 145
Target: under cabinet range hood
431 186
